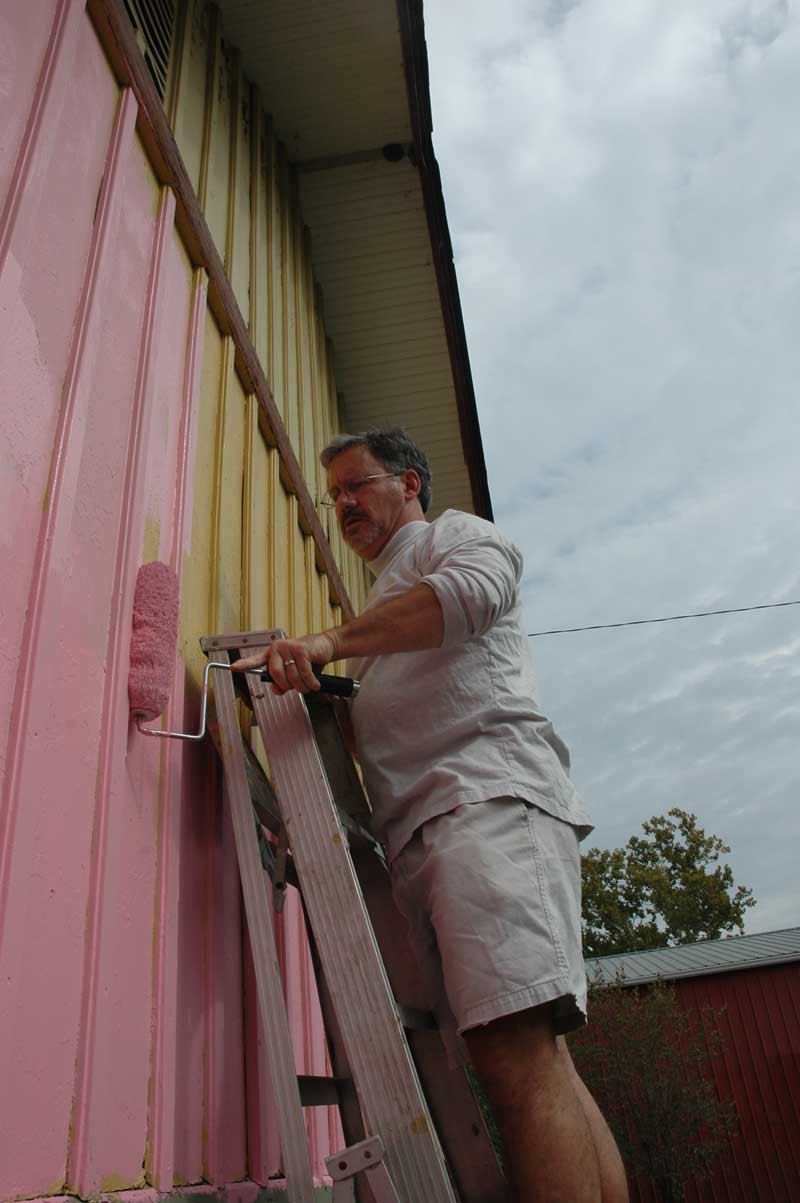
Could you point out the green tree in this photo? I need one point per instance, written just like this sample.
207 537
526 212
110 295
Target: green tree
666 887
649 1067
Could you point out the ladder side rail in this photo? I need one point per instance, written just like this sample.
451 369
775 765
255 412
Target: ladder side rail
272 1007
385 1077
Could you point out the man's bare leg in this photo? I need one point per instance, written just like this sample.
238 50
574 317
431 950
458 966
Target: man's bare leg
613 1181
551 1151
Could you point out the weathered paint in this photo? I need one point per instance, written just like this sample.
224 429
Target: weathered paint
126 1032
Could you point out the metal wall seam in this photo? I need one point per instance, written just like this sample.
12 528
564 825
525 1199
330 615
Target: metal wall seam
17 190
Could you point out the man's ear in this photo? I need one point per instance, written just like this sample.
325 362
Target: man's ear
412 484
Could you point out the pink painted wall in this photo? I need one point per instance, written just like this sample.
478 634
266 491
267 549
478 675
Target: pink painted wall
129 1050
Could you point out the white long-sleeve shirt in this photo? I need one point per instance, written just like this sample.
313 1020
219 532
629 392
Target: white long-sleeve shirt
459 723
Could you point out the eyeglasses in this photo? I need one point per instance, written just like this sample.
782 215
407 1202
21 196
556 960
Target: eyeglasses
351 487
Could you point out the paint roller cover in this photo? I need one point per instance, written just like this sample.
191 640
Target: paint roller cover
154 639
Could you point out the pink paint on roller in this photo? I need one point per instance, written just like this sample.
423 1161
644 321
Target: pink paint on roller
154 639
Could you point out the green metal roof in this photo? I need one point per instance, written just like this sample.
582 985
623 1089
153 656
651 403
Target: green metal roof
697 960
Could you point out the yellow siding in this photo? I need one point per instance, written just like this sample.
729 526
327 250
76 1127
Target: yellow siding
215 194
237 251
187 83
289 324
260 303
274 253
251 565
196 576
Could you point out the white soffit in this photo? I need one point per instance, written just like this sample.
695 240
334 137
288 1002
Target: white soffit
372 256
331 73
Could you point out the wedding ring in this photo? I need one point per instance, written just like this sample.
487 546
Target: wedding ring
286 663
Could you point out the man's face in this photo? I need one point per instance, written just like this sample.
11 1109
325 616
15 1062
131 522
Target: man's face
368 516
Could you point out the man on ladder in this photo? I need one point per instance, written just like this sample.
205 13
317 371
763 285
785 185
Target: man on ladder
470 795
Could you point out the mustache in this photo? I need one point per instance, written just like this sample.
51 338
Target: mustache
351 515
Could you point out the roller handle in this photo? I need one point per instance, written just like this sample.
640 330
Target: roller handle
340 687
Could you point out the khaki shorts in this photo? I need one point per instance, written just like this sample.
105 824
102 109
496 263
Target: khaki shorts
492 894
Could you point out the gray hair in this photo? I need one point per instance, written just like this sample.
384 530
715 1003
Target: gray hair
393 448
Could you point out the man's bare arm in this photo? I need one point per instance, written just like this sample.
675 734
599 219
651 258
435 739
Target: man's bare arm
411 623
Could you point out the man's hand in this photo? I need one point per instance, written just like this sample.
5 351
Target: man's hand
413 622
289 662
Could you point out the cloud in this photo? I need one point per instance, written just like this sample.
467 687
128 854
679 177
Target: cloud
622 183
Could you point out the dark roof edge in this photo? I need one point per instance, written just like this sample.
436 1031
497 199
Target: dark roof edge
415 62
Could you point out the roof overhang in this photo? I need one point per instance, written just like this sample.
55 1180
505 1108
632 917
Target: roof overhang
347 87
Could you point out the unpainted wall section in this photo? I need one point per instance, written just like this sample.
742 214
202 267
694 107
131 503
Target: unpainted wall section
250 198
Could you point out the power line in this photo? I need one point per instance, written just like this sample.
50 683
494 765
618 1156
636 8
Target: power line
640 622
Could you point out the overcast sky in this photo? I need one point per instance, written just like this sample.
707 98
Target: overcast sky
622 180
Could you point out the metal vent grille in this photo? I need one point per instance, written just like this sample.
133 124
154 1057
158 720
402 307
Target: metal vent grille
154 22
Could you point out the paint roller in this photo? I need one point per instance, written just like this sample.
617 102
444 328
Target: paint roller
154 646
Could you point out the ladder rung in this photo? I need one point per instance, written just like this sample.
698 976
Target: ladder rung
320 1091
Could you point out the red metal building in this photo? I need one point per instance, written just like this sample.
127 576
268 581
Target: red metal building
754 981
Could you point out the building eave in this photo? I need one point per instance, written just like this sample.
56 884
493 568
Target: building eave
415 59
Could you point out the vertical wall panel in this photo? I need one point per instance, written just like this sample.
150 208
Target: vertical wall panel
186 104
62 589
304 399
36 31
282 539
201 790
237 254
275 249
288 306
53 223
216 166
185 293
224 1118
211 1142
322 426
109 1124
258 314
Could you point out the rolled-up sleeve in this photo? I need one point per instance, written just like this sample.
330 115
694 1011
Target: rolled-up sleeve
475 577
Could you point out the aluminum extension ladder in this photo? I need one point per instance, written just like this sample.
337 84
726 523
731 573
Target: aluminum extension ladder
414 1131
